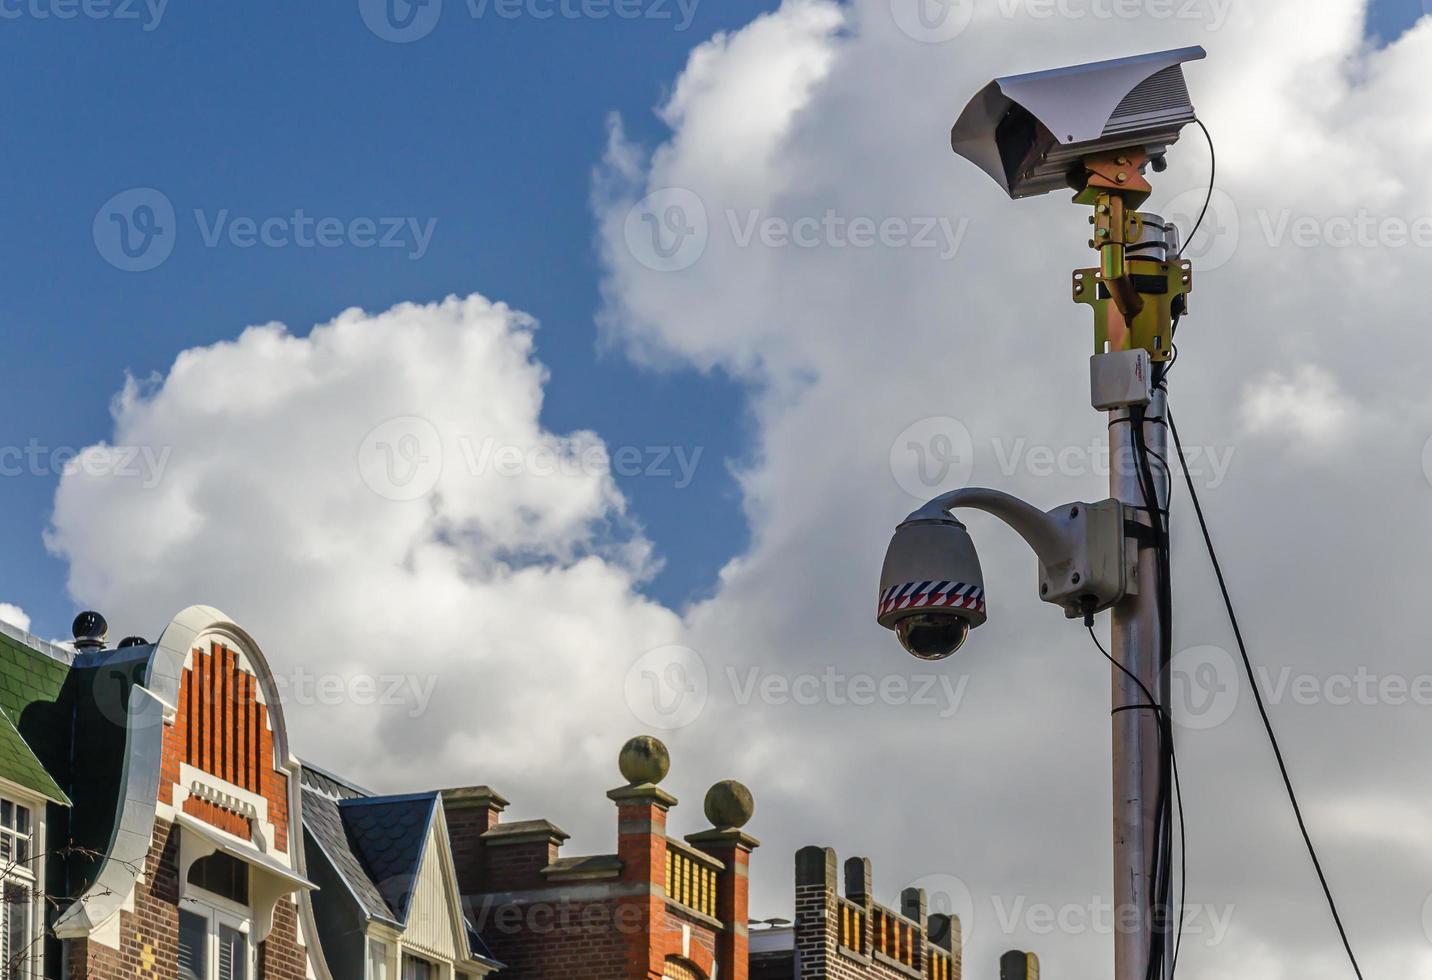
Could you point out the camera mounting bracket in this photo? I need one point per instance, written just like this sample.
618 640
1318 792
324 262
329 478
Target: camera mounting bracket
1085 563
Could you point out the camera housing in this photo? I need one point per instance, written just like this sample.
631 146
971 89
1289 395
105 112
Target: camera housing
931 586
1031 132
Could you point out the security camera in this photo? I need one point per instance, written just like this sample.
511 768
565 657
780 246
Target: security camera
931 588
1033 132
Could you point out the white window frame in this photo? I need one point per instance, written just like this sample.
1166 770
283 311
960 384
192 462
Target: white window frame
30 874
218 912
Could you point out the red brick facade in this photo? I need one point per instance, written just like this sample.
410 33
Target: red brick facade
223 729
149 936
609 917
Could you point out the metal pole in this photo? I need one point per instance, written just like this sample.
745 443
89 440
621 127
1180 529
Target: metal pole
1136 644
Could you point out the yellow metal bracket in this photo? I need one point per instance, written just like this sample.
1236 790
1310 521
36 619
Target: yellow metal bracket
1160 284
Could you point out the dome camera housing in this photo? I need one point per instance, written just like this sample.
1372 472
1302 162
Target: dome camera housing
931 587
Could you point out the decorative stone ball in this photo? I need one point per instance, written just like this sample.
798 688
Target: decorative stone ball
729 805
644 760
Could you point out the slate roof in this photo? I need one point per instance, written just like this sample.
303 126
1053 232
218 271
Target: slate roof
375 843
322 819
390 834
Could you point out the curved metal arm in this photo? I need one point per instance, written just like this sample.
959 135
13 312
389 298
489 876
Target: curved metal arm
1038 529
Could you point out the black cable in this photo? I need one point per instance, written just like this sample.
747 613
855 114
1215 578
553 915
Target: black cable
1163 831
1164 719
1212 178
1258 698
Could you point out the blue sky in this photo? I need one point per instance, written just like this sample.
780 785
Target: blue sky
487 127
490 126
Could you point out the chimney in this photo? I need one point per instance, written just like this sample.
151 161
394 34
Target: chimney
471 811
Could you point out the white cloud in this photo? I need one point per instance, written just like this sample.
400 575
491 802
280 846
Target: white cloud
15 616
847 348
502 597
518 594
1307 406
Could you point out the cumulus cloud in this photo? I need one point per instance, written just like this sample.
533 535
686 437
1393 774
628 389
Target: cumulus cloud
342 492
15 616
428 569
857 357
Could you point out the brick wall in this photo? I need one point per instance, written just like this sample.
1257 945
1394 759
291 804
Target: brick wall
222 728
840 937
545 918
281 956
149 936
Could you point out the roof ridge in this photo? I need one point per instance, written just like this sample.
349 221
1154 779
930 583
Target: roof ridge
52 650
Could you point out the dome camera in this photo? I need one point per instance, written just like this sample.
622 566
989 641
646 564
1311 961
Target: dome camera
931 587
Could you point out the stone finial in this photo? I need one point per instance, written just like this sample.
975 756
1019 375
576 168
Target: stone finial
729 805
644 760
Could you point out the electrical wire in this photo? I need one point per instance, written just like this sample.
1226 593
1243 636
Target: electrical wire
1163 831
1212 178
1164 720
1258 698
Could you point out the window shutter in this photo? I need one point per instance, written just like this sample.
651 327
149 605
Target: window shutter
193 940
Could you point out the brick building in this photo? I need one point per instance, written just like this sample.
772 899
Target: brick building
159 808
656 908
155 824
